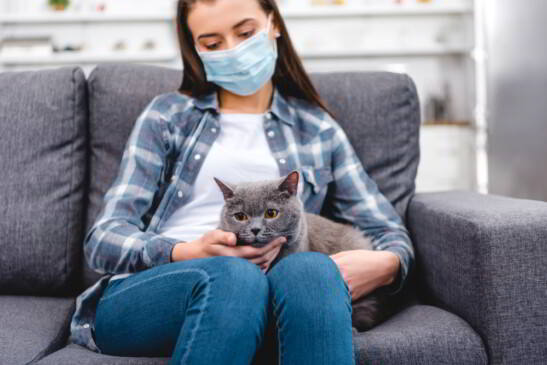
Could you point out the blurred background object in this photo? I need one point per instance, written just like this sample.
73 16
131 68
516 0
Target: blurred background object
443 45
517 98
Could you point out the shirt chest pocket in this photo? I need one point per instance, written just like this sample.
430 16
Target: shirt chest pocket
316 178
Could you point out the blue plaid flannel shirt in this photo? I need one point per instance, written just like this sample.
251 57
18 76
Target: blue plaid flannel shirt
166 148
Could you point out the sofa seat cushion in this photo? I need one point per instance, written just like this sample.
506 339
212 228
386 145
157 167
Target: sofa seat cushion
31 326
419 334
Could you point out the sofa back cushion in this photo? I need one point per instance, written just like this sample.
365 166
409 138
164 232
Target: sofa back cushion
379 111
43 128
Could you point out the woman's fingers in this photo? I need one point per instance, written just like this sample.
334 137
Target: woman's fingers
259 260
270 258
250 252
267 257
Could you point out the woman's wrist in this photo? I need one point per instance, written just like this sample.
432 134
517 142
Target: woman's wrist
391 267
184 251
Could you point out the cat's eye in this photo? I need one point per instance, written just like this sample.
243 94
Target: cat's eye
240 216
271 213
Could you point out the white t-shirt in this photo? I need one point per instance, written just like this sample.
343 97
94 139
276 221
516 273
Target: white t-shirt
240 153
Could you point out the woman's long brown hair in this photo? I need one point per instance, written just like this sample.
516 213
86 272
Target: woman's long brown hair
289 76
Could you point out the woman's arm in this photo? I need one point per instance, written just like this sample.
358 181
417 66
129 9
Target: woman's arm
116 243
356 199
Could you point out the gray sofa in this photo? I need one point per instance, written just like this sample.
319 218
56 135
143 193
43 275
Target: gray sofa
476 295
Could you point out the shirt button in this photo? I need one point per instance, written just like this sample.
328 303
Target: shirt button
197 157
180 194
213 129
271 134
86 325
269 115
282 160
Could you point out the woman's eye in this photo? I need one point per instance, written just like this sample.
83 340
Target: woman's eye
211 46
271 213
240 216
247 34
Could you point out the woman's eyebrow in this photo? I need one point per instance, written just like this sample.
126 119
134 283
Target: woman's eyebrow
235 26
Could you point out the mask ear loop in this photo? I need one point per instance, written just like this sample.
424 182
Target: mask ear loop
268 33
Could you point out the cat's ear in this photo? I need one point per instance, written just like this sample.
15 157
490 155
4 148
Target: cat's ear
227 191
290 182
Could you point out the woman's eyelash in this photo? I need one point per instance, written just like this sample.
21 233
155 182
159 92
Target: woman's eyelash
213 46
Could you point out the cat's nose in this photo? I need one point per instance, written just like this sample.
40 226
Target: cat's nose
255 230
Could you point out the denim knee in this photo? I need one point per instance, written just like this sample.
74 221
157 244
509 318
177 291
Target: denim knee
242 286
308 263
243 276
235 269
306 267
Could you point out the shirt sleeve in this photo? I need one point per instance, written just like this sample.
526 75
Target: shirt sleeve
117 242
357 200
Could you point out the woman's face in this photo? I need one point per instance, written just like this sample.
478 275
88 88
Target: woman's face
223 24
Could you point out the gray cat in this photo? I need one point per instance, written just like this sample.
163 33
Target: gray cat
259 211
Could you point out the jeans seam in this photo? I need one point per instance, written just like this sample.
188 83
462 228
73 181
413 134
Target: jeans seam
348 293
279 344
202 309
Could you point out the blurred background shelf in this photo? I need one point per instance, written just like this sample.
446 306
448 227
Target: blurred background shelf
68 17
64 58
374 10
400 52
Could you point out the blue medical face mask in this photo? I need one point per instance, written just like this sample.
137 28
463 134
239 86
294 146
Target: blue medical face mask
245 68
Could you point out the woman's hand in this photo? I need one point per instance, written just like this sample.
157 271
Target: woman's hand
271 250
366 270
222 243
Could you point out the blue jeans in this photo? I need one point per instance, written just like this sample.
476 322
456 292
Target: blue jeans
225 310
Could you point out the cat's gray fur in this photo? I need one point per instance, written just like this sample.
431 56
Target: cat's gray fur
304 232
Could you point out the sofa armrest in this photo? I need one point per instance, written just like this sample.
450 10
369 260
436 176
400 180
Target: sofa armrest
484 258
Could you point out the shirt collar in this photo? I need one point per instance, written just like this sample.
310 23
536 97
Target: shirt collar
279 107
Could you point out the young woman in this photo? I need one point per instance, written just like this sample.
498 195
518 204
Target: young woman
174 285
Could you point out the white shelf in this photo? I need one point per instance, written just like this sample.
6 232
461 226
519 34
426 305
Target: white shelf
402 52
69 17
89 58
385 10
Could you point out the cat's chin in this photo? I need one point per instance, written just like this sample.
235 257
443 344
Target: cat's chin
254 243
258 244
